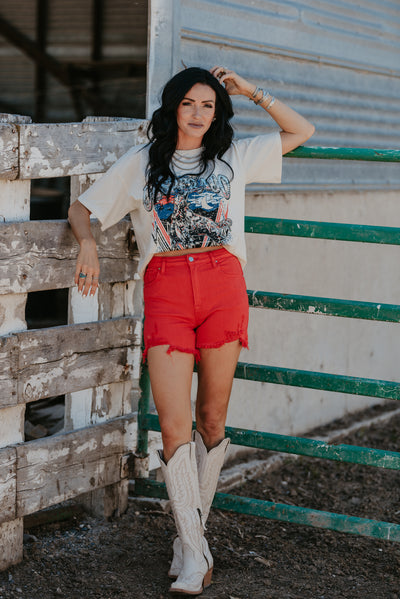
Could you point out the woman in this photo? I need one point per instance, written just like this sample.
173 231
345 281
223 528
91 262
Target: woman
185 193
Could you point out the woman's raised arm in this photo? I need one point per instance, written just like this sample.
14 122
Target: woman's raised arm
295 128
87 265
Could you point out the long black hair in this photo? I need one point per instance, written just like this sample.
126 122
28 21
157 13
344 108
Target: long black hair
163 129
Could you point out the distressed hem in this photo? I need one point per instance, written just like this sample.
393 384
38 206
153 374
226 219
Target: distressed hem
229 337
172 348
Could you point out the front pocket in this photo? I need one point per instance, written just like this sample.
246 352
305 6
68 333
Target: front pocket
151 275
229 265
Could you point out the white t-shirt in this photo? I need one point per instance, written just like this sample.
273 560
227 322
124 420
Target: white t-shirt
201 211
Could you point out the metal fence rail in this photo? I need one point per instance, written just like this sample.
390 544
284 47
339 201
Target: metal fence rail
307 379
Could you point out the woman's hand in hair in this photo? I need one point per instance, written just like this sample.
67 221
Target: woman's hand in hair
234 84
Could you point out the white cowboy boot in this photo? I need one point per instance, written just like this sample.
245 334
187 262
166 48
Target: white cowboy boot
181 479
209 464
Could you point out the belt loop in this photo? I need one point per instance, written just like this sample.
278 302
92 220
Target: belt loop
163 261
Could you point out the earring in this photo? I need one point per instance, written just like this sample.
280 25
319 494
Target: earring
214 119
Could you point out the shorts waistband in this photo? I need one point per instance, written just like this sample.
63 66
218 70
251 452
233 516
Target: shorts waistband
202 257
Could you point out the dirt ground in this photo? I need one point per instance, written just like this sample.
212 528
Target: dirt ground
85 558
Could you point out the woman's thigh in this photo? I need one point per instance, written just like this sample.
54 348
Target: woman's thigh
171 378
216 370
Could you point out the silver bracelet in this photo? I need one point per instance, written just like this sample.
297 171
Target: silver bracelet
255 93
263 97
270 104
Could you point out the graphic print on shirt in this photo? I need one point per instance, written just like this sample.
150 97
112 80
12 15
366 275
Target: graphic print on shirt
194 215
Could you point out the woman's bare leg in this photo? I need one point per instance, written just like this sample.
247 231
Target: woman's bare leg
215 377
171 379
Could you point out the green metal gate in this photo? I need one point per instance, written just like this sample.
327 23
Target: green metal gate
299 378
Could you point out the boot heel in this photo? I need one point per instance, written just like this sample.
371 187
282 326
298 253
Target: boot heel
207 578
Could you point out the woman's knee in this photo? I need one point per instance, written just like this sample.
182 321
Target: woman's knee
211 427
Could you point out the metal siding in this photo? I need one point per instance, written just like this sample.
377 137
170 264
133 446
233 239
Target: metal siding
334 61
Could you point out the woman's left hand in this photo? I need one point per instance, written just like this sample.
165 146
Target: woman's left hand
234 84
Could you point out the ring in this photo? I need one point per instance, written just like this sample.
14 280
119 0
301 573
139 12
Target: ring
95 278
82 276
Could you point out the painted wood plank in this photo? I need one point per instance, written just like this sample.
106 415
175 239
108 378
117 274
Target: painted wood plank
65 149
39 255
8 381
11 543
14 205
46 362
43 345
64 466
73 373
8 484
8 151
100 404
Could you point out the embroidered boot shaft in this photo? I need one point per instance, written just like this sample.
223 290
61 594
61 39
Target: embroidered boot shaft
209 464
181 479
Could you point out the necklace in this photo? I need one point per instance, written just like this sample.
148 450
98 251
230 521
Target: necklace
186 160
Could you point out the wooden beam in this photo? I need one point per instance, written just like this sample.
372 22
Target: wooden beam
8 484
9 150
8 382
61 467
14 205
65 149
40 255
43 363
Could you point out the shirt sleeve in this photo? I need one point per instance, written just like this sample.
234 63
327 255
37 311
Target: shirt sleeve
261 158
113 195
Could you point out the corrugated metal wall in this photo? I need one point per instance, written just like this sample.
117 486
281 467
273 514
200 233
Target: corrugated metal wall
69 39
337 62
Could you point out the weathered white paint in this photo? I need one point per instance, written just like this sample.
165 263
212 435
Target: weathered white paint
8 151
78 415
154 445
107 401
83 309
14 200
130 437
11 543
91 445
11 425
79 463
134 359
12 313
67 149
14 205
8 484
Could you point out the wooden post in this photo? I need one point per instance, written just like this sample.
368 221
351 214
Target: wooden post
14 206
97 405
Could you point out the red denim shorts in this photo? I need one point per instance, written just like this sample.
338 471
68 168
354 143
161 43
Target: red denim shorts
195 301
